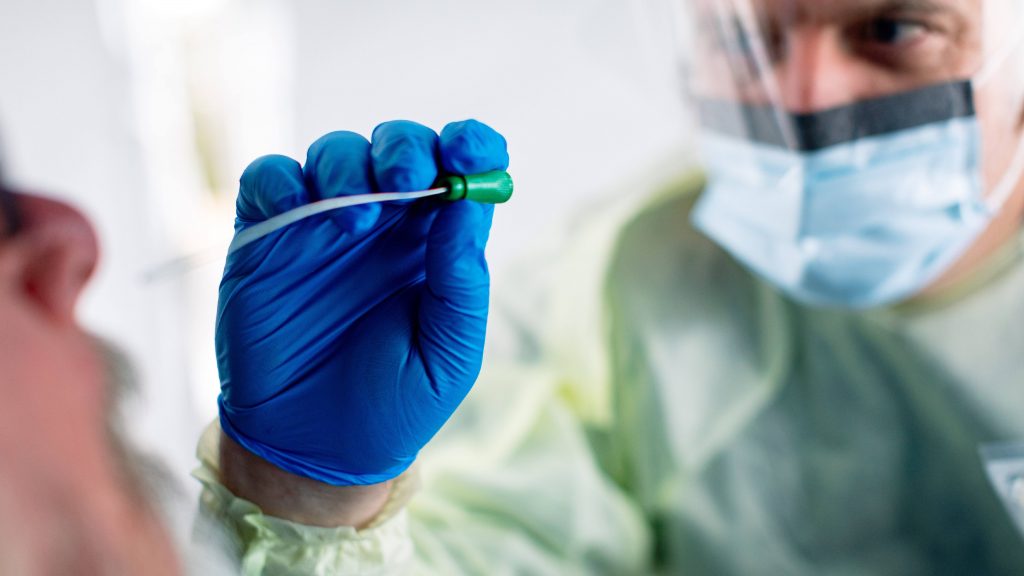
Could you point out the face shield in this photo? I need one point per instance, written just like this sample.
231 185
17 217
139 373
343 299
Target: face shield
855 148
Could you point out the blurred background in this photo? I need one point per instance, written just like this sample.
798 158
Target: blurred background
144 113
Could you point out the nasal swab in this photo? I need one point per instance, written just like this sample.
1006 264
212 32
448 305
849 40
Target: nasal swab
489 188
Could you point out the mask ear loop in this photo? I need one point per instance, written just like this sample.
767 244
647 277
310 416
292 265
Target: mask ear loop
1008 183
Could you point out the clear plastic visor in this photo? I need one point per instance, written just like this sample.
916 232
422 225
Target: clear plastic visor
805 75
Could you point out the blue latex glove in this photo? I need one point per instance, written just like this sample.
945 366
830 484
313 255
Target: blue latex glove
345 341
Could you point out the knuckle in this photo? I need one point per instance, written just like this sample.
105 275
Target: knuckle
336 145
264 165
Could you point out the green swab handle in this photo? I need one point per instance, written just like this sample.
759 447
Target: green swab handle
488 188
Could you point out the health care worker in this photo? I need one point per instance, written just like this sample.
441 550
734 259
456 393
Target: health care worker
784 368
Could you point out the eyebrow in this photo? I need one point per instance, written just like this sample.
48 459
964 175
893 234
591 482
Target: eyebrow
885 6
918 4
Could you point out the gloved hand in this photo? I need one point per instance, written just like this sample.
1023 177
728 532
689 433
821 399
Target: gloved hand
345 341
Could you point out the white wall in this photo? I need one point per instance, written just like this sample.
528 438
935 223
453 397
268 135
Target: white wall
584 90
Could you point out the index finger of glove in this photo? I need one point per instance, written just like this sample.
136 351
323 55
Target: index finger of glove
270 186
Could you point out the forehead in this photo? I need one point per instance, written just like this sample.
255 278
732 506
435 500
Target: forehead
821 11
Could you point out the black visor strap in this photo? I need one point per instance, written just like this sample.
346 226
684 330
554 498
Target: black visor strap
819 130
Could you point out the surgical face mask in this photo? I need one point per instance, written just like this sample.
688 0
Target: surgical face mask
857 206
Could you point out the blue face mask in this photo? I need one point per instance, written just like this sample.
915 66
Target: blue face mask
854 207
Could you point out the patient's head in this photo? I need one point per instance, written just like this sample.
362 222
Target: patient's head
69 503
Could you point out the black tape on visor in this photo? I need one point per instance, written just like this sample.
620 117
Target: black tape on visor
819 130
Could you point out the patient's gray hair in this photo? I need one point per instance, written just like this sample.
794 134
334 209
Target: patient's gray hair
145 476
150 481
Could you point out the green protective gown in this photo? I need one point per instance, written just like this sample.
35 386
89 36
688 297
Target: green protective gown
656 409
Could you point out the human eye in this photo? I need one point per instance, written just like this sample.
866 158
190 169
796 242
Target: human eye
903 43
892 32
